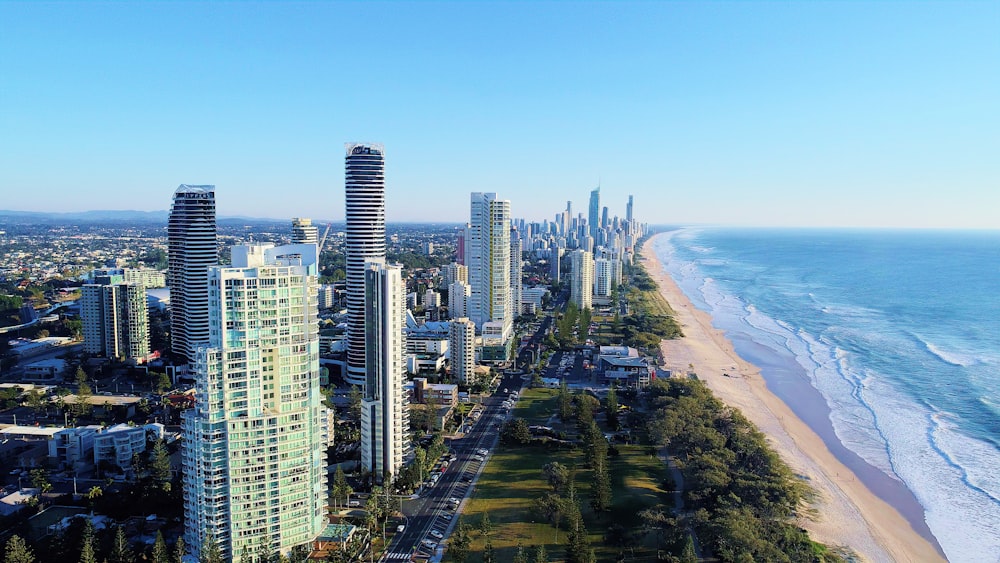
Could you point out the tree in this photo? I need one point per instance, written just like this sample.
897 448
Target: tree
565 402
35 401
515 432
556 474
354 403
179 551
612 407
87 547
160 553
159 466
540 555
40 480
488 555
245 555
461 540
83 393
341 490
17 551
600 490
486 525
210 552
688 554
520 556
120 552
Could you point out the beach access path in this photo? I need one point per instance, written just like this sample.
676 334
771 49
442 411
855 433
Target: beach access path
847 513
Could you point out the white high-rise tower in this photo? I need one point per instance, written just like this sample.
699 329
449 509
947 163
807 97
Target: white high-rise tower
487 255
254 457
384 417
304 232
191 249
582 281
364 186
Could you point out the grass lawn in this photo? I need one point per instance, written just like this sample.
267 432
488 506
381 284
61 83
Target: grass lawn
513 479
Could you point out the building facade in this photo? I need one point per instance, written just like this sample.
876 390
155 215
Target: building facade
192 248
594 212
462 345
304 232
487 255
384 417
364 187
254 455
516 271
115 321
582 280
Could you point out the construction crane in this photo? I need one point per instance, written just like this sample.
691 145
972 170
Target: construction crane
322 241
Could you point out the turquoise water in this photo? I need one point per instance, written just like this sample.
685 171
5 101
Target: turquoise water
899 331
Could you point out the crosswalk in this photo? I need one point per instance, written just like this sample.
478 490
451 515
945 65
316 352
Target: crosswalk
396 556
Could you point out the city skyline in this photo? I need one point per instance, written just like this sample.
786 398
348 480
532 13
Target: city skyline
817 114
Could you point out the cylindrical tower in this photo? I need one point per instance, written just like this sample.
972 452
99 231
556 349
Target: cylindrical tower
192 248
364 185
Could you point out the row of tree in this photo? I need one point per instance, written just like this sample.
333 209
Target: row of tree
743 496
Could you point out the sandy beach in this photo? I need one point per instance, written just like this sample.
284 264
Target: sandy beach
849 514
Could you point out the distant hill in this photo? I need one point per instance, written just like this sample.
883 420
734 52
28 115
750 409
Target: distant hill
118 216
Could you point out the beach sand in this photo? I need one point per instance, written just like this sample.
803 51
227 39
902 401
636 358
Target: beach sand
847 513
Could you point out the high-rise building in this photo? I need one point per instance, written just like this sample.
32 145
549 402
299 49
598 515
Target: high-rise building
384 418
191 249
628 210
487 255
462 346
254 455
364 186
582 280
594 211
455 272
304 232
603 277
604 217
115 320
458 299
515 272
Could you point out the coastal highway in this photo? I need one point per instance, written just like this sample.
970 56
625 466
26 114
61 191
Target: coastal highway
430 518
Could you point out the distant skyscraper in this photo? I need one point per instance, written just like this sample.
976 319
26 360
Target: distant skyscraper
628 210
254 454
304 232
115 320
515 272
384 420
604 217
487 255
582 279
595 209
462 347
364 185
192 248
603 277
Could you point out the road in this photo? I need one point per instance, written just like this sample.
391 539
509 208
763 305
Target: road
431 512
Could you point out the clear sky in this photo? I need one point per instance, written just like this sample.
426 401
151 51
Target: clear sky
772 113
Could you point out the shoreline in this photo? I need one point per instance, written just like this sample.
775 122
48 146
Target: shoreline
849 513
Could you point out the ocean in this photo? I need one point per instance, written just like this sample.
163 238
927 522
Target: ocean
897 331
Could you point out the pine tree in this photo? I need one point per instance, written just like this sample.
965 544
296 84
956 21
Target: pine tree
688 554
17 551
486 525
210 552
160 553
159 466
540 555
120 552
87 548
488 555
179 551
520 556
245 555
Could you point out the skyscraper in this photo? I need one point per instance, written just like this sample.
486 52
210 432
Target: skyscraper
582 278
384 418
115 320
515 273
628 210
458 299
595 209
364 186
254 457
191 249
304 232
462 347
487 255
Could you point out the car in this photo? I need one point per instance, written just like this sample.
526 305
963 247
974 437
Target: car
354 502
436 534
482 451
453 500
428 543
478 457
447 516
400 527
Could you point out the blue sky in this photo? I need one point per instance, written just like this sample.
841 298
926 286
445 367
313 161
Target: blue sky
743 113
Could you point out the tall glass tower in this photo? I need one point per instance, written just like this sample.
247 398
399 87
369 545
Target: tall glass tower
364 186
254 457
594 215
191 249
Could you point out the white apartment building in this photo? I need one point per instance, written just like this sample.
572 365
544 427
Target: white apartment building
582 280
462 345
487 255
254 454
384 416
115 321
191 250
458 299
